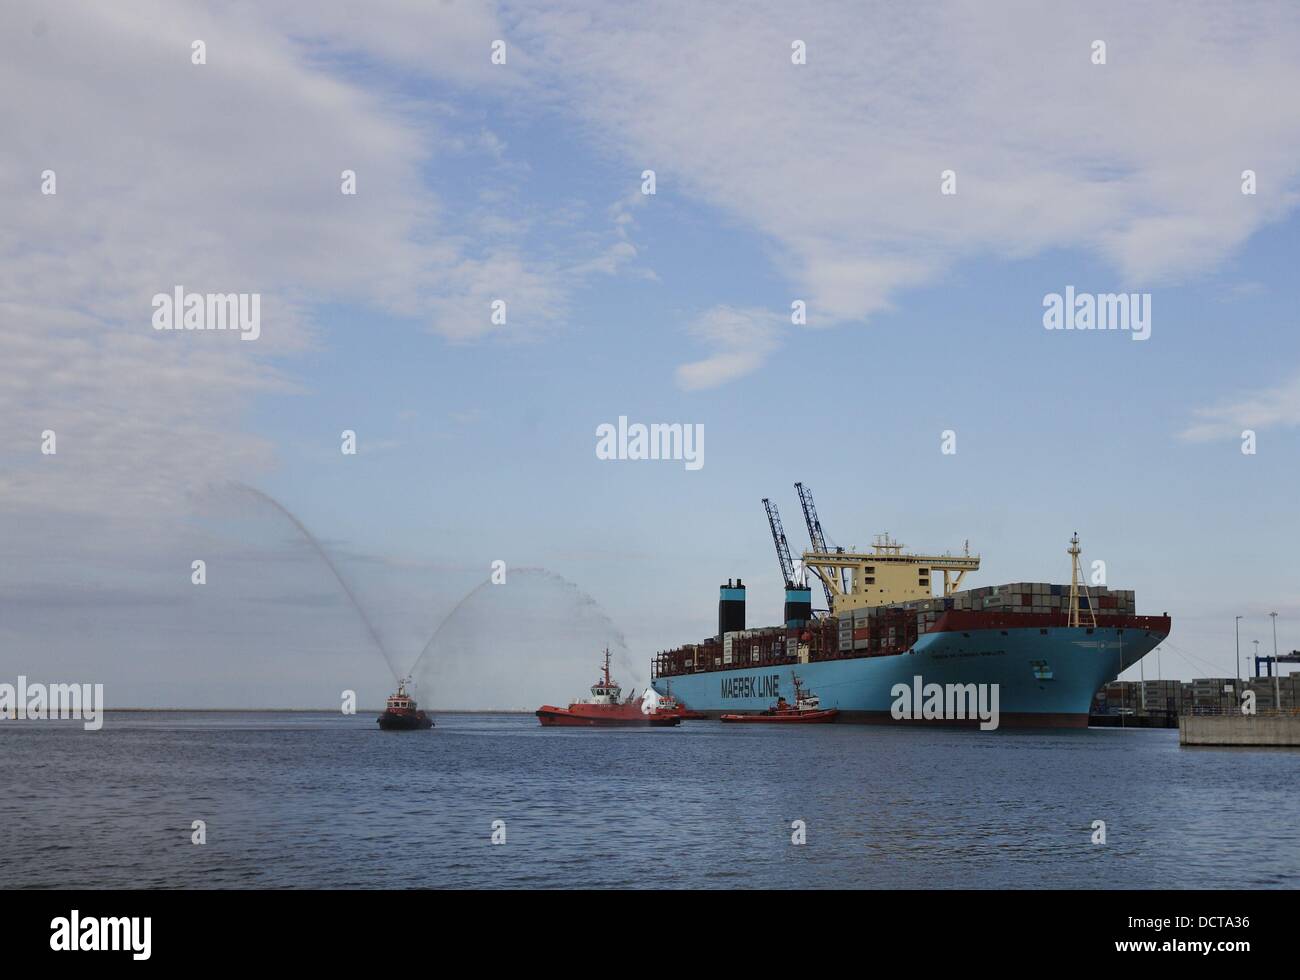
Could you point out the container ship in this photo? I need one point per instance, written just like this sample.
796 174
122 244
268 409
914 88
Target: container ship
1044 649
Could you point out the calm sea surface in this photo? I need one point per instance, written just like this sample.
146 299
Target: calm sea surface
320 800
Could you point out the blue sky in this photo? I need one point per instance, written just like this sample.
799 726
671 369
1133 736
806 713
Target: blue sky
1054 433
522 181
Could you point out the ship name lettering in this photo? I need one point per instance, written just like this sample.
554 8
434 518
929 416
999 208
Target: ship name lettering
751 687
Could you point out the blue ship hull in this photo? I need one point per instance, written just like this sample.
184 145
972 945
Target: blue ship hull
1045 677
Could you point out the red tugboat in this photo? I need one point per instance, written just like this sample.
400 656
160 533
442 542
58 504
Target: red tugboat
807 708
402 713
605 710
670 704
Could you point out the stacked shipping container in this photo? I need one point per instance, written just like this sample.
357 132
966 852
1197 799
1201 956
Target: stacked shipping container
1207 695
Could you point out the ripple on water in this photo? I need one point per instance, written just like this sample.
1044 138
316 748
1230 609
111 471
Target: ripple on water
293 800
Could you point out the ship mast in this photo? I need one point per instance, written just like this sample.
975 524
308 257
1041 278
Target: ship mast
1076 580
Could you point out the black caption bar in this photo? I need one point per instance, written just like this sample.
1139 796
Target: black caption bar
380 930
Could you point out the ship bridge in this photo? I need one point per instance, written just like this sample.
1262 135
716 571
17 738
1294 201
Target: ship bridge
887 574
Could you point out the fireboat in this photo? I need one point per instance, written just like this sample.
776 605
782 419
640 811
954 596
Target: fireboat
402 713
605 710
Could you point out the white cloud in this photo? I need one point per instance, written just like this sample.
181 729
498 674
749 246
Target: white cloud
740 338
445 41
463 310
1273 407
224 177
837 162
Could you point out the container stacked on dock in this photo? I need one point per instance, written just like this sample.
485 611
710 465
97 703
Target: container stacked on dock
1275 692
1206 695
1158 697
1212 695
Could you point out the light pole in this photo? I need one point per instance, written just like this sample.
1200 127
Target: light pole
1237 627
1256 642
1277 667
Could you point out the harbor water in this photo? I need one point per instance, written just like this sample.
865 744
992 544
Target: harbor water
296 800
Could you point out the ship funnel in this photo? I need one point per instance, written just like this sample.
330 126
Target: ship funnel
798 607
731 607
